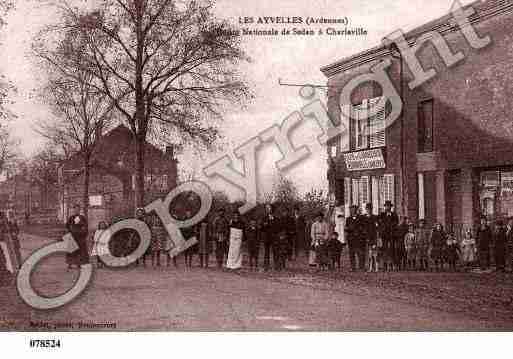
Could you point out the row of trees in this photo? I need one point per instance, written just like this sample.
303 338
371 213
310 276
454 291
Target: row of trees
165 68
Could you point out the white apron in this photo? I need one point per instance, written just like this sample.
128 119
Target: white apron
234 253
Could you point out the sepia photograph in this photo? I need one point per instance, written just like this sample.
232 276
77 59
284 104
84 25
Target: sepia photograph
279 166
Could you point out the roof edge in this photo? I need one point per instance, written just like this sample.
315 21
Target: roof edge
442 25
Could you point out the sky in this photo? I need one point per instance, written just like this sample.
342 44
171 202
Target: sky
293 59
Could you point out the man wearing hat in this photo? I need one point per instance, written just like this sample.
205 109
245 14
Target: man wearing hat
371 229
387 225
355 234
77 227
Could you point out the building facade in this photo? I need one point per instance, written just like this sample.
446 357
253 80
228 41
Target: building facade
449 157
112 177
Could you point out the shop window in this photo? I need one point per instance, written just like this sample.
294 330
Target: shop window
425 126
363 190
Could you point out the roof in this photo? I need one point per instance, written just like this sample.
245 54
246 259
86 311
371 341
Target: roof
443 25
117 144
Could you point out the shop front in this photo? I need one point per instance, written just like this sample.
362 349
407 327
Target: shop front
496 192
366 179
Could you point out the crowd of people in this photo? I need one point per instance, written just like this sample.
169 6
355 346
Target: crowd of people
282 235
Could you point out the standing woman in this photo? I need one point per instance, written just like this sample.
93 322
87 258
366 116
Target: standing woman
234 260
77 227
319 234
484 238
158 238
96 247
437 243
205 247
468 248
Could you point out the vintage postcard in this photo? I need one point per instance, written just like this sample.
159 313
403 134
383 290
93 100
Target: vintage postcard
256 166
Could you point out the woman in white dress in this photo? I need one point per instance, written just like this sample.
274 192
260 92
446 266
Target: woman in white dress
97 249
236 235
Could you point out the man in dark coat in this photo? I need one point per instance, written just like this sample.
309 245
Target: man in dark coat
500 240
77 227
387 226
301 244
269 232
355 234
371 228
484 238
399 249
221 232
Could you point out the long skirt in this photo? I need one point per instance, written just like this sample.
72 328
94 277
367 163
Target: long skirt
312 257
234 253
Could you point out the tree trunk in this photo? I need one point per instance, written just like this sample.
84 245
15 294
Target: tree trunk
139 175
85 198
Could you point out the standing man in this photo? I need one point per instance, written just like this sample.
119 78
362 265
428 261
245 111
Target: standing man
399 249
77 227
387 224
484 238
269 224
299 233
371 230
221 232
354 233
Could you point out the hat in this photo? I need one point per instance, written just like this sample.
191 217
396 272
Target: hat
388 203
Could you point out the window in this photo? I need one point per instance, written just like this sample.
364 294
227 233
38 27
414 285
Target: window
363 190
368 131
425 126
387 189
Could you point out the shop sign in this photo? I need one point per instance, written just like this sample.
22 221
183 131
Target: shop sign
364 160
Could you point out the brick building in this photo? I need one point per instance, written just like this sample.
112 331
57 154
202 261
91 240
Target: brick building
112 177
449 158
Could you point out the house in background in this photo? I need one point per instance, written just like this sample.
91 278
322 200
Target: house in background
112 177
29 199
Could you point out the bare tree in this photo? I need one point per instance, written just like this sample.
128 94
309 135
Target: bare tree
43 169
82 113
164 64
9 150
5 86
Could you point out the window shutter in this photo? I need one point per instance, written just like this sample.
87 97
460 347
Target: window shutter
355 191
375 195
364 191
344 122
361 125
389 188
377 126
347 195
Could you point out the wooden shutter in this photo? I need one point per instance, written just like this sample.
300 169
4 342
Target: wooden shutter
388 188
344 122
364 191
375 195
377 126
361 122
355 185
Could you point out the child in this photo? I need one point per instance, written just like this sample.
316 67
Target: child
422 241
410 247
253 240
468 248
335 251
282 247
374 249
452 250
97 250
